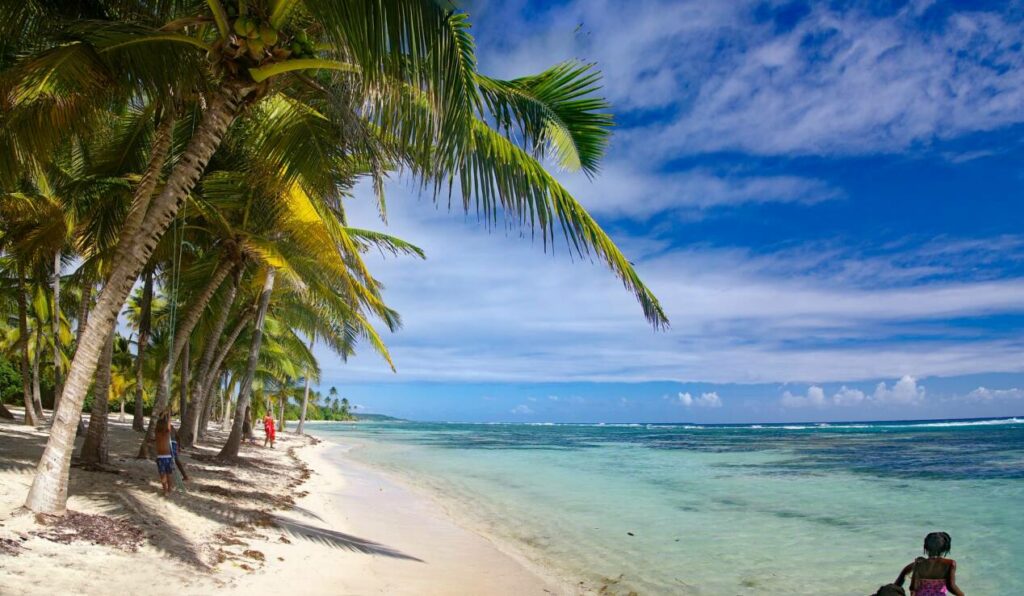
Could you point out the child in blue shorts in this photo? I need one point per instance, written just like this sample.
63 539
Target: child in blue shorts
164 455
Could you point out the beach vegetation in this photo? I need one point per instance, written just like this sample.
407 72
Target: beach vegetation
184 166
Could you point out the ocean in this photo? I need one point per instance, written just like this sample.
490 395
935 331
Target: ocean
724 509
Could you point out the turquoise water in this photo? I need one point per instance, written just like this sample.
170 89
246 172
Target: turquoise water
679 509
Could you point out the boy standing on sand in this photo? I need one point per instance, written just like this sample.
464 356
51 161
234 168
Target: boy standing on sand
164 455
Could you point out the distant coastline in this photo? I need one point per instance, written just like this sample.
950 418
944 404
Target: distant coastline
1014 419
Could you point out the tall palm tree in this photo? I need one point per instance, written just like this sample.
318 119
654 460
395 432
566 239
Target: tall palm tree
142 322
413 87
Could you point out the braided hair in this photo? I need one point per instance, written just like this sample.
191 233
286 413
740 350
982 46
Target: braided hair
937 544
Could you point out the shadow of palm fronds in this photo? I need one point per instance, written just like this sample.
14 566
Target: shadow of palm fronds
307 513
168 539
340 540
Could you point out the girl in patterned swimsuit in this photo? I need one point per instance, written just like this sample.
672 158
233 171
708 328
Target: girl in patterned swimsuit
934 575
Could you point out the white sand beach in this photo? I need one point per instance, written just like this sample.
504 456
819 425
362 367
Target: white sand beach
298 519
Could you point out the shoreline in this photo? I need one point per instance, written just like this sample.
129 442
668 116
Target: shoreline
425 549
559 580
303 516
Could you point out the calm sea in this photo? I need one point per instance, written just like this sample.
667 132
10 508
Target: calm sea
755 509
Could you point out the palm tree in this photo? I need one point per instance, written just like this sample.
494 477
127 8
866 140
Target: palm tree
140 315
95 448
413 93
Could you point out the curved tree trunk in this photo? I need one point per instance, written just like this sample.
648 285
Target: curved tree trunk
49 487
83 305
83 318
26 380
183 385
229 402
230 450
143 195
37 389
58 365
196 405
198 430
204 416
305 402
182 336
95 449
145 320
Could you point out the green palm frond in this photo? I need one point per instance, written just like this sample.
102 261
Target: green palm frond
557 109
501 176
384 242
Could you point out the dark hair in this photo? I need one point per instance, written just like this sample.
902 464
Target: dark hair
937 544
891 590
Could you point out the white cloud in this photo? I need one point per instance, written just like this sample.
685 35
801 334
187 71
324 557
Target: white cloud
704 400
848 397
522 409
905 391
626 189
495 307
984 394
815 398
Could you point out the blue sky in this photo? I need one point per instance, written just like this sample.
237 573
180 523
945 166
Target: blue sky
825 196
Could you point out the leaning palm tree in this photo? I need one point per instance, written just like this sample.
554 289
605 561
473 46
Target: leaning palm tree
408 68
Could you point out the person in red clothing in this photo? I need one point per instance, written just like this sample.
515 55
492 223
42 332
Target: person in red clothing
269 428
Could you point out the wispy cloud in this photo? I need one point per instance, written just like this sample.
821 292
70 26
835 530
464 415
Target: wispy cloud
621 190
742 76
487 307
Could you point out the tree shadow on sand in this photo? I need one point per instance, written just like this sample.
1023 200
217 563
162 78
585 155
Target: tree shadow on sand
217 493
339 540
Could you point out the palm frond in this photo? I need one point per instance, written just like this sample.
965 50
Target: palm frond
557 109
501 176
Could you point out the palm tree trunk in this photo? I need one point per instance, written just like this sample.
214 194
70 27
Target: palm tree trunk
224 400
144 192
50 485
196 406
228 390
182 336
37 389
26 380
230 450
58 368
305 402
183 399
214 373
83 306
204 415
280 421
83 318
95 449
145 320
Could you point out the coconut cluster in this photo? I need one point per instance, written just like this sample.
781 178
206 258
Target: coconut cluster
254 38
302 46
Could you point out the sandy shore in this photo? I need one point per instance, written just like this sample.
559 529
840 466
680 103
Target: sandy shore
299 519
